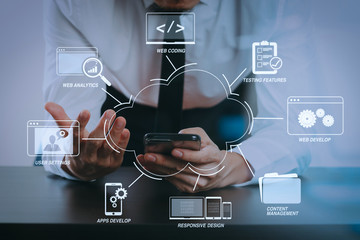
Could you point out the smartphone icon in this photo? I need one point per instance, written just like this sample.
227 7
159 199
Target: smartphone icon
227 210
113 205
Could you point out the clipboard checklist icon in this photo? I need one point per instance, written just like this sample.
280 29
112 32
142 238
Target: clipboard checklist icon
265 59
280 189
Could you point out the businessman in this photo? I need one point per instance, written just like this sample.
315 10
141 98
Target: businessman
225 31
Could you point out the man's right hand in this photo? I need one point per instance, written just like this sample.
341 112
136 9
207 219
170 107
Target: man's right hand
96 158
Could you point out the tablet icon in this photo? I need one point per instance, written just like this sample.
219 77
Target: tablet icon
213 206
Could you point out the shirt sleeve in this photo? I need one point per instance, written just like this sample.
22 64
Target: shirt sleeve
270 148
60 31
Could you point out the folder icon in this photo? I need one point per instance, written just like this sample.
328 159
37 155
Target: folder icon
280 189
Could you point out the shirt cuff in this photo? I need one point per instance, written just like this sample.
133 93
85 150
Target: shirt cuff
56 169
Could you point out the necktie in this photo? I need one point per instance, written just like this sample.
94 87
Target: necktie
169 111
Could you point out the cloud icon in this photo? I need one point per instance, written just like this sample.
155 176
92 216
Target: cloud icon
227 123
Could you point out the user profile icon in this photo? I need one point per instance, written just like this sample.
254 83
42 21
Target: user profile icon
53 137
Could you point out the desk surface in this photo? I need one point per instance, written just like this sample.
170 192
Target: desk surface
31 195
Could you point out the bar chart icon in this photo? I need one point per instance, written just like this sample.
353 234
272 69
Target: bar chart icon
93 70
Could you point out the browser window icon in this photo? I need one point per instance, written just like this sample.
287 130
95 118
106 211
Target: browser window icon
69 60
315 115
52 137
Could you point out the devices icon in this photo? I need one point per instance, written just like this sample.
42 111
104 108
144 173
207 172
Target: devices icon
280 189
265 59
114 196
166 28
51 138
307 115
92 68
69 60
199 208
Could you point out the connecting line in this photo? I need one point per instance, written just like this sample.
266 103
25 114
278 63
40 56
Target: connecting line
94 139
231 93
230 85
197 180
171 62
157 79
106 139
268 118
111 96
252 117
130 99
237 77
176 69
146 174
199 174
247 163
136 180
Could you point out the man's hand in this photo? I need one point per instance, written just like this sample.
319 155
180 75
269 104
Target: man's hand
96 157
209 157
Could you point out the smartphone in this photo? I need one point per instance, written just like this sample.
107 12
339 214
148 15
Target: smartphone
227 210
213 207
165 142
113 205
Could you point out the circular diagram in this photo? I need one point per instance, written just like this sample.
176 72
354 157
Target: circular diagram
205 74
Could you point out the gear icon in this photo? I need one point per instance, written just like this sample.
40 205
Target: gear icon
328 120
320 113
113 199
307 118
121 193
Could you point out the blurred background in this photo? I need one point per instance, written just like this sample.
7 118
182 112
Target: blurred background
22 61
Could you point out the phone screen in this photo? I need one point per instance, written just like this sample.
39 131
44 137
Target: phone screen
113 205
227 210
165 142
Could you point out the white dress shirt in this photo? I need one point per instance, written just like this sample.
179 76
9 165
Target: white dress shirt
225 31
